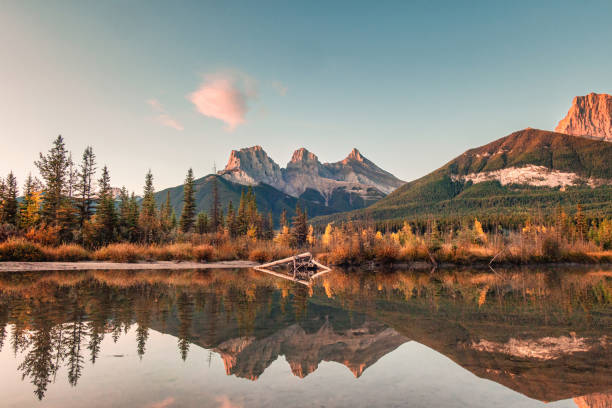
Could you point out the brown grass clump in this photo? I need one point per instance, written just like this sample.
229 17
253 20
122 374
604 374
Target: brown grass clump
204 253
121 253
18 249
67 253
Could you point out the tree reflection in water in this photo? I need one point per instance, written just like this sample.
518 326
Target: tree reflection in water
59 319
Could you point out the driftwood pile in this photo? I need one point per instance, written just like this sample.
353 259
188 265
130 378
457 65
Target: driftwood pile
302 268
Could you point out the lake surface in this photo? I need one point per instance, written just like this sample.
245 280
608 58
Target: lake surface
240 338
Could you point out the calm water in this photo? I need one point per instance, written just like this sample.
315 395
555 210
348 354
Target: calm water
243 339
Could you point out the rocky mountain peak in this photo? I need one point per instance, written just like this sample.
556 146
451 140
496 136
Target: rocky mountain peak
303 155
252 165
589 116
354 155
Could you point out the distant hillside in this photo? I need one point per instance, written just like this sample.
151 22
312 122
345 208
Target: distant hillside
527 172
268 198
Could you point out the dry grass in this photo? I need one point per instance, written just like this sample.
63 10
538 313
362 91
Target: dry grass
19 249
122 252
67 252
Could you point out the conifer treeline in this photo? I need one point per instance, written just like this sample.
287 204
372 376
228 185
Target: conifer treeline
69 205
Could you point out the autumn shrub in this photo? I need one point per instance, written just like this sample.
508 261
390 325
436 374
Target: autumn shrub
17 249
123 252
7 231
386 251
45 235
551 248
261 254
204 253
181 252
67 253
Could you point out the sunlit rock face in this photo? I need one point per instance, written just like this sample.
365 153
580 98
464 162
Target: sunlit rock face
355 180
356 348
590 116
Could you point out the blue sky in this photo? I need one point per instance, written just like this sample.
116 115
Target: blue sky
411 84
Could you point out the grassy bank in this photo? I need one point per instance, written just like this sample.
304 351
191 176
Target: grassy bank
335 247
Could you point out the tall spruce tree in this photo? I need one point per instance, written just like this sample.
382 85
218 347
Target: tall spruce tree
54 169
10 206
201 225
106 217
189 206
299 229
165 215
29 211
148 221
84 186
232 225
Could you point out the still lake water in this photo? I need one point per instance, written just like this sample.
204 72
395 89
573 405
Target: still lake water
239 338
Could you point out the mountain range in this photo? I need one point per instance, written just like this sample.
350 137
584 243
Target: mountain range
322 188
529 171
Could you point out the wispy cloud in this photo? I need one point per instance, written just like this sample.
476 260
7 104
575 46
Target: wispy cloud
280 88
163 118
162 404
225 96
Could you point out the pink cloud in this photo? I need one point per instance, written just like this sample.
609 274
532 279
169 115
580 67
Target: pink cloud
225 97
162 116
162 404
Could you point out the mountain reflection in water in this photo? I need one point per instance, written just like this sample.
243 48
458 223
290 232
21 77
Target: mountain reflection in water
543 334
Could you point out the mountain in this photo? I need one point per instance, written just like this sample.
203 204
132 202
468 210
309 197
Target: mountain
354 182
590 116
510 178
268 198
320 188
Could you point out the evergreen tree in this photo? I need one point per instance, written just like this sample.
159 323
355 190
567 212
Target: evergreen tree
106 217
189 206
581 228
133 219
84 186
242 220
9 203
165 215
124 211
201 225
232 224
299 230
54 169
283 219
29 208
148 221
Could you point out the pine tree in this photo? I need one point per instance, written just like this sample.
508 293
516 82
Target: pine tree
299 230
124 214
84 186
165 215
201 223
54 169
133 219
148 221
232 224
29 208
106 217
10 206
189 206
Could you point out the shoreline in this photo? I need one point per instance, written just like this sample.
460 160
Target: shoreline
18 266
23 266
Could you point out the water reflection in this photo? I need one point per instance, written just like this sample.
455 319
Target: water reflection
544 334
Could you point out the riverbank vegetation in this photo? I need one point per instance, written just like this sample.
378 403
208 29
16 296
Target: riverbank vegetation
64 217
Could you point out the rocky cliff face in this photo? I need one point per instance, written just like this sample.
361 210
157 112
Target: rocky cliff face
350 183
590 116
356 348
